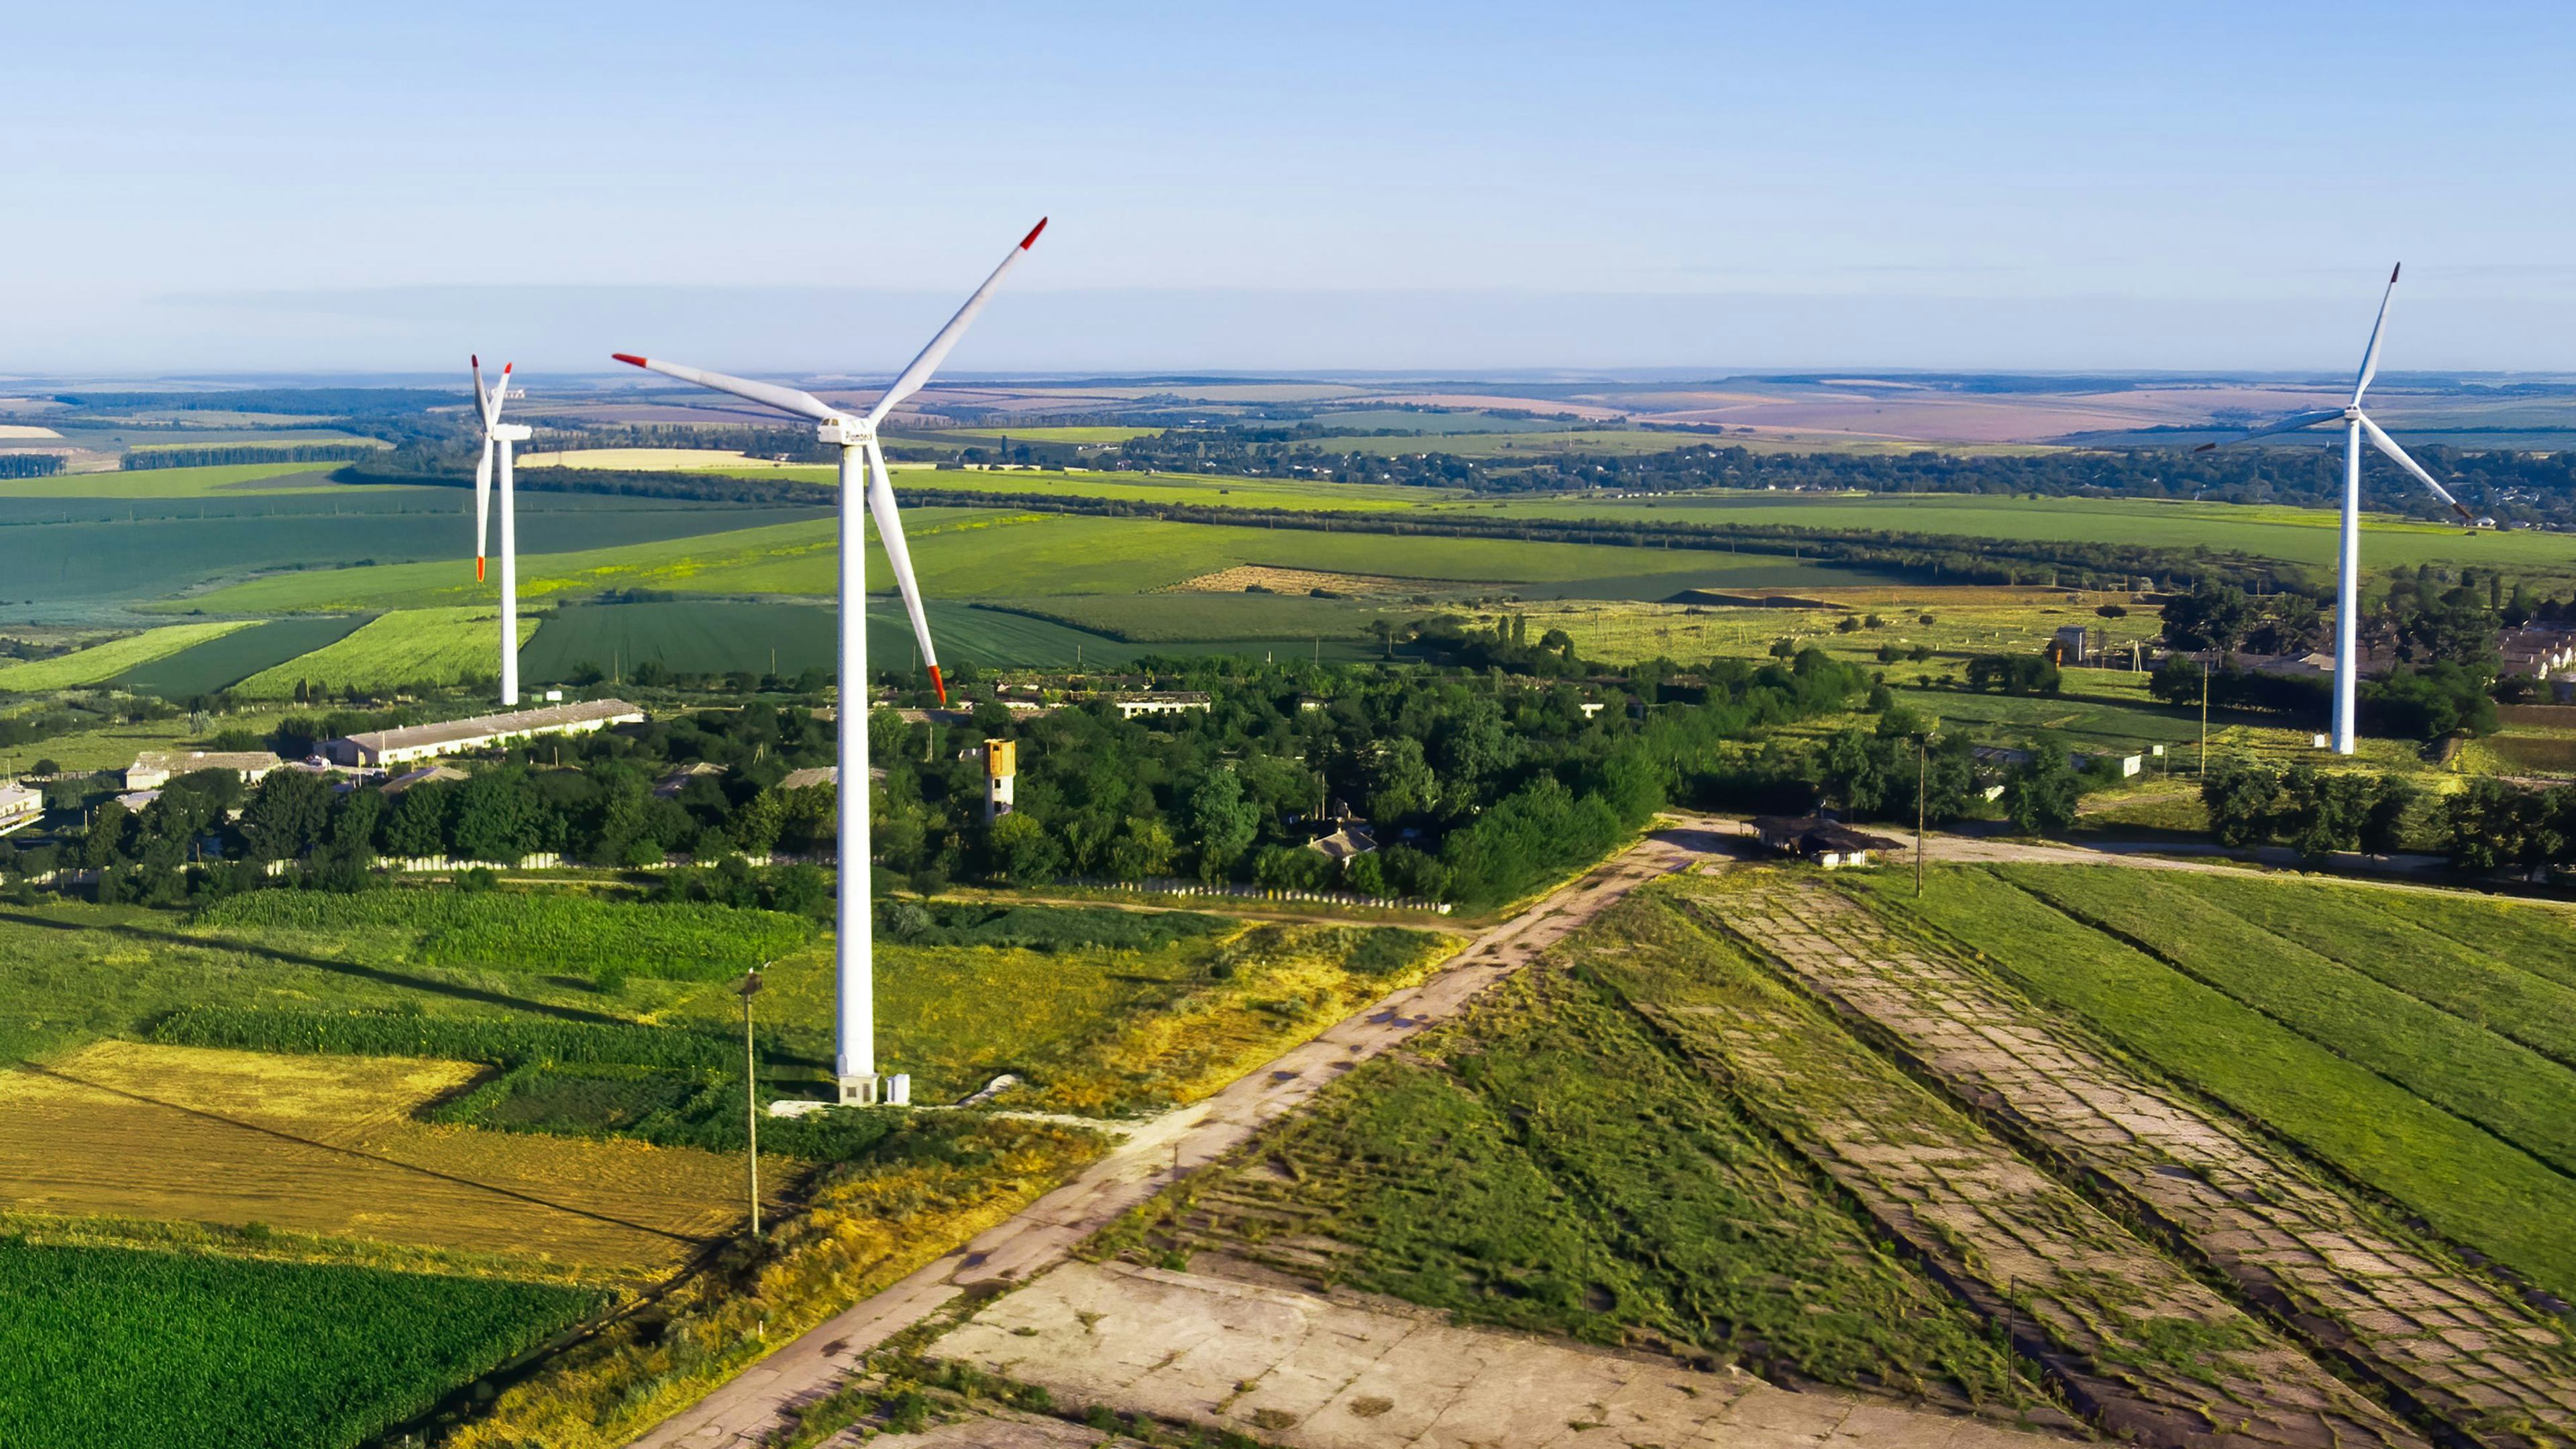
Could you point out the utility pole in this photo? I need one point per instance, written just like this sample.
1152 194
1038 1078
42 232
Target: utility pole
2204 717
751 1097
1922 774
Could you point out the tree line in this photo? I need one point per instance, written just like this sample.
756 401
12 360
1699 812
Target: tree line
141 459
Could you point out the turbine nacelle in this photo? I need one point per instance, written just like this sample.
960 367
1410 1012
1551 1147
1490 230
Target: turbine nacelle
845 431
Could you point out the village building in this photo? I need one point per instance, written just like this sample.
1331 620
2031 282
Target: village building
410 744
20 806
153 769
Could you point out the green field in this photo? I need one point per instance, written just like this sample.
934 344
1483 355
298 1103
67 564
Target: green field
2291 535
407 646
712 636
574 934
1179 488
225 661
107 661
1548 1164
107 1348
221 481
2261 1024
82 558
977 553
1042 435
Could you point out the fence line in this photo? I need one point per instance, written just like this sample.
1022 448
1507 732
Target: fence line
1161 885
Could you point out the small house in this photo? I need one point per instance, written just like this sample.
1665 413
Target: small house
1345 845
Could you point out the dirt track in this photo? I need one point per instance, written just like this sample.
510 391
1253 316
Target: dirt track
746 1410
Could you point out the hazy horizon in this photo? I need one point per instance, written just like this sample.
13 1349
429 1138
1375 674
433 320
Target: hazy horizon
1990 187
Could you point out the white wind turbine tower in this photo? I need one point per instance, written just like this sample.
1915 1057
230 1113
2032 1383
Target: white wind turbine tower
499 436
863 475
2357 424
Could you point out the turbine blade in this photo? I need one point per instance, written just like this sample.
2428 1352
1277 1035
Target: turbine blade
890 533
937 352
2290 424
482 399
785 399
2388 445
501 390
482 506
2370 358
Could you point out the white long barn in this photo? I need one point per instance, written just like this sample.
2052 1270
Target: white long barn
413 743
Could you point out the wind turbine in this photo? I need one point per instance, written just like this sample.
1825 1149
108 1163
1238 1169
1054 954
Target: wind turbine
863 475
498 436
2357 425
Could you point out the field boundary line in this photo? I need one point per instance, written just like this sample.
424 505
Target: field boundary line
395 1162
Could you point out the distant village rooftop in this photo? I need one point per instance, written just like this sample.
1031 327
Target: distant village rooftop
457 736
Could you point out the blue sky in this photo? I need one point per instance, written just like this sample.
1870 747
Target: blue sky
1440 186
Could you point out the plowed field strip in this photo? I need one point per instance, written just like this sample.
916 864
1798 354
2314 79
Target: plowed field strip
2455 1345
2147 1349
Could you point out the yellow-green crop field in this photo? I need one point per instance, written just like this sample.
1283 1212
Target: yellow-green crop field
407 646
220 480
1980 623
106 661
983 553
327 1146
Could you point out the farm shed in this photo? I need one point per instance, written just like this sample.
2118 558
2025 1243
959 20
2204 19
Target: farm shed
155 768
1828 843
455 737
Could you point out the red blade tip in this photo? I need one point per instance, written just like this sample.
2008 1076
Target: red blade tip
474 359
505 368
478 568
939 684
1033 233
629 358
2393 271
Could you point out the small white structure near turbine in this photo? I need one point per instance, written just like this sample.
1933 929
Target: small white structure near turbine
2357 425
863 487
498 436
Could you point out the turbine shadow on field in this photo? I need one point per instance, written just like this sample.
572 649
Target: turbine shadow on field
494 1188
377 974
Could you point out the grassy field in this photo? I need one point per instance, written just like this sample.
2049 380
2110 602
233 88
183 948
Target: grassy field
81 972
107 661
2454 1061
228 659
222 480
1098 1019
2292 535
1964 621
1180 488
111 1348
2474 1187
1547 1164
578 935
982 553
707 637
407 646
328 1145
1169 618
87 557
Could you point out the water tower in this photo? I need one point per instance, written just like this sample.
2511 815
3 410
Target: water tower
1001 765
